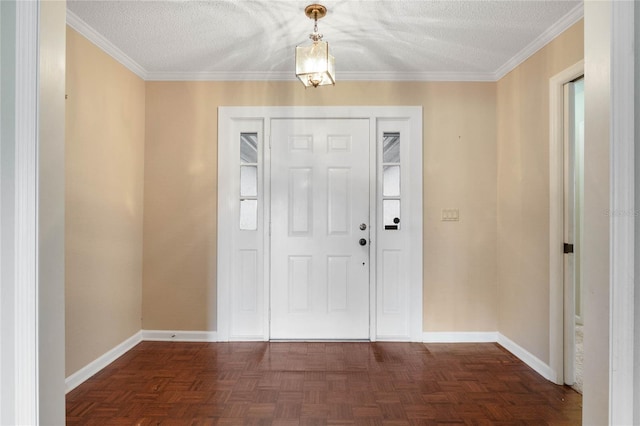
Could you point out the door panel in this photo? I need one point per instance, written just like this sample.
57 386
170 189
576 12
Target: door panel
319 199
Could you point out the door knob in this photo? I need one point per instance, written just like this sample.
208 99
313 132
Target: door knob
363 242
363 226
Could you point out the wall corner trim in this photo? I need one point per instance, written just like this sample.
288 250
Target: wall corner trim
80 376
527 357
541 41
109 48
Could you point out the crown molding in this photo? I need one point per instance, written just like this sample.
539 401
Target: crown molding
415 76
552 32
109 48
343 76
541 41
220 76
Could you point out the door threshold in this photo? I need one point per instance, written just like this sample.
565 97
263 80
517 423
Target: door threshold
320 340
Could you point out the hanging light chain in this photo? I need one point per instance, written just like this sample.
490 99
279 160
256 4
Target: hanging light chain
315 35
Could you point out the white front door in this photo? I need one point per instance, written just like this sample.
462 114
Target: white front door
320 229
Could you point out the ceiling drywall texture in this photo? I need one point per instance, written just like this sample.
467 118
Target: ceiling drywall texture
383 39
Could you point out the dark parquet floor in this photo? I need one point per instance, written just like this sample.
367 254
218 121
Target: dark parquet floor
262 383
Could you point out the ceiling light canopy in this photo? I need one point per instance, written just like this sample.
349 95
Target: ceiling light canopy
314 65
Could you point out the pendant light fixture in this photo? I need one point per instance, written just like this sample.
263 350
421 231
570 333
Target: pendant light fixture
314 65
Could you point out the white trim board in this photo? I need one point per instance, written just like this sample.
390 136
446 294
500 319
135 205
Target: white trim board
25 282
82 375
178 336
116 352
110 356
525 356
109 48
574 15
460 337
623 214
344 76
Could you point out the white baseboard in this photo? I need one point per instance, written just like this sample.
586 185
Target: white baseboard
95 366
98 364
459 336
492 336
89 370
179 336
525 356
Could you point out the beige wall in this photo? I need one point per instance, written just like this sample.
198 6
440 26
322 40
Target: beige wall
181 181
104 185
485 153
523 192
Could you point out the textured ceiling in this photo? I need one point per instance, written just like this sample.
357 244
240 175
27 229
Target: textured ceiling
383 39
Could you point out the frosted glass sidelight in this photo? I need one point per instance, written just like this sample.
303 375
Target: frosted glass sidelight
391 188
391 181
248 215
249 181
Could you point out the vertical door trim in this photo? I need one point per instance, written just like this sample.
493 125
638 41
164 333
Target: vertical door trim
232 117
556 218
19 252
622 216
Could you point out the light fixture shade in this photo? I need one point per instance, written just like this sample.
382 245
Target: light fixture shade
314 65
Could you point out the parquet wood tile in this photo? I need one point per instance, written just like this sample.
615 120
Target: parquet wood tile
325 383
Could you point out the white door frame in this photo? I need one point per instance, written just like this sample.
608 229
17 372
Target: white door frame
19 376
232 242
556 218
623 212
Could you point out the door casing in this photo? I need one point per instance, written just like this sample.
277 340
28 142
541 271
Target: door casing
243 289
557 318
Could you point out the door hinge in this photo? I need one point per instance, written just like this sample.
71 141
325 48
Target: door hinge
568 248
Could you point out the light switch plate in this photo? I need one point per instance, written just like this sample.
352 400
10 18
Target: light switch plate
450 215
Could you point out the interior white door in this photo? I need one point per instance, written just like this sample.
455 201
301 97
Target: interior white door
319 229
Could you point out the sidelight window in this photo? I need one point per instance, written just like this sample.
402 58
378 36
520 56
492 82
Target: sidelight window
248 181
391 180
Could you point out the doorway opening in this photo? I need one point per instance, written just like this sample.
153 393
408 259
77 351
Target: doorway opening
566 124
573 142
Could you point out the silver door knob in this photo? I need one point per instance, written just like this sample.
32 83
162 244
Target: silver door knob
363 242
363 226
